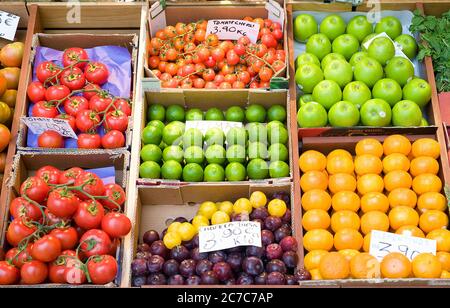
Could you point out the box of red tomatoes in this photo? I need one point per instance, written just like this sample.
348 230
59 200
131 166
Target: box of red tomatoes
80 92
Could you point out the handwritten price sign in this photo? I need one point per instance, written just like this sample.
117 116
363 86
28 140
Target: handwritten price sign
229 235
233 29
8 25
382 243
40 125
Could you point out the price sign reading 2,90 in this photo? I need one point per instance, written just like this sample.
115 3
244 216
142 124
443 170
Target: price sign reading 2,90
229 235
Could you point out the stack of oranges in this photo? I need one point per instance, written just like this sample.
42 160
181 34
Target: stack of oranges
390 186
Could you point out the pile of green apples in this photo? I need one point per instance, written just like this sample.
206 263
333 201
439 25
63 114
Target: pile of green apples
215 153
344 84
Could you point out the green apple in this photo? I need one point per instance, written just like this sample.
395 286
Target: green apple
319 45
304 26
366 39
381 49
424 122
332 26
305 98
408 44
308 76
330 57
406 113
359 27
306 57
357 93
369 71
357 57
312 114
387 89
418 91
376 112
390 25
346 45
327 93
340 71
399 69
343 114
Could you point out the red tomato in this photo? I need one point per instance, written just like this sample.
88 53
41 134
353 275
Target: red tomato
116 224
87 120
212 40
62 203
36 91
265 74
94 186
89 214
157 73
18 230
9 274
55 93
50 139
199 83
225 85
89 141
19 259
73 78
218 54
116 120
230 78
113 139
210 85
44 109
210 62
238 85
102 269
275 25
46 249
74 273
244 40
68 118
90 90
46 70
171 83
277 34
68 237
73 55
219 79
114 193
35 188
75 104
244 76
33 272
123 105
278 65
264 84
69 176
95 242
100 102
96 72
208 74
49 174
162 66
21 208
254 85
57 269
52 219
232 57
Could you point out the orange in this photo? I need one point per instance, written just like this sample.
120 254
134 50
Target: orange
348 239
366 245
334 266
344 219
426 182
374 220
395 161
341 181
402 197
349 253
374 201
312 161
365 266
340 164
339 152
396 144
312 259
401 216
367 163
318 239
444 258
432 201
445 275
397 179
345 200
395 265
313 180
410 231
316 199
315 219
423 164
426 265
315 274
442 238
370 183
425 147
432 220
369 146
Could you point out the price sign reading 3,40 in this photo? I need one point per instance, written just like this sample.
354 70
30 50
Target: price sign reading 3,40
229 235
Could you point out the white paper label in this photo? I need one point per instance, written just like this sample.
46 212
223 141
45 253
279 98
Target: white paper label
397 46
203 126
383 243
229 235
276 12
157 18
8 25
233 29
39 125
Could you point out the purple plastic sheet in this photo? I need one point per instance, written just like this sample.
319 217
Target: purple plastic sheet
116 58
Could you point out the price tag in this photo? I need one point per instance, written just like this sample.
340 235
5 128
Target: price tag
233 29
382 243
8 25
157 17
229 235
203 126
276 12
39 125
397 46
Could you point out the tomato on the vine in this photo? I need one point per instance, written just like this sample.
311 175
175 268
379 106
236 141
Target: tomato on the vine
50 139
68 118
35 188
265 74
73 105
95 242
115 193
89 214
57 269
49 174
87 120
89 141
52 219
9 274
21 208
62 202
123 105
73 55
232 57
46 249
116 120
96 72
69 176
67 236
36 91
58 92
19 258
34 272
100 102
90 90
102 269
153 61
47 69
113 139
74 273
44 109
18 230
116 224
73 78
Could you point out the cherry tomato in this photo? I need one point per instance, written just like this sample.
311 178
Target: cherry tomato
89 141
244 76
100 102
116 224
35 188
264 84
278 65
69 176
218 54
227 69
165 77
19 259
87 120
44 109
50 139
153 61
116 120
277 34
46 70
162 66
225 85
275 25
171 83
36 91
89 214
18 230
46 249
218 79
210 85
114 193
73 78
171 54
49 174
210 62
232 57
68 237
68 118
90 90
75 104
230 78
172 69
254 85
62 202
95 242
102 269
58 92
265 74
269 40
73 55
199 83
123 105
113 139
212 40
238 85
96 72
9 274
21 208
74 273
243 40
